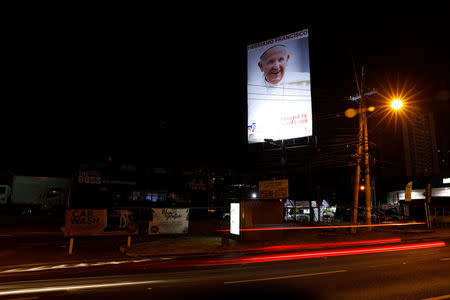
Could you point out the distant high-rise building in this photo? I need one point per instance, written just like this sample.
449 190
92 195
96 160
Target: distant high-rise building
420 148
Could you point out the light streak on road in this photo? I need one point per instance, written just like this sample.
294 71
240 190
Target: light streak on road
71 266
324 227
327 245
73 287
439 297
284 277
316 254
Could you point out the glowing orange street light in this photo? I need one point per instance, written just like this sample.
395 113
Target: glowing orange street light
396 104
362 187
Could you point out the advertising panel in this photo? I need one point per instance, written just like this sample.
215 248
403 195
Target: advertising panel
274 189
234 218
85 222
279 88
95 177
408 190
169 221
100 222
121 221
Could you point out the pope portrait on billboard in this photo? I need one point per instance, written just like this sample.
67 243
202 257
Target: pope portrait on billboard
279 88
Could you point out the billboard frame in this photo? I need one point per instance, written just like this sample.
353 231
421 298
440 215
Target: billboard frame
302 92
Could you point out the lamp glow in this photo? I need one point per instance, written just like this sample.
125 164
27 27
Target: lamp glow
397 104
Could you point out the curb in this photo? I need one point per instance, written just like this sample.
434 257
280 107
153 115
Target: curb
211 251
30 234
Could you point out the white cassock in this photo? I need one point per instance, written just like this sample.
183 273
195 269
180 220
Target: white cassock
281 111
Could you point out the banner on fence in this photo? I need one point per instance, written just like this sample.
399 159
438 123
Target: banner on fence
169 221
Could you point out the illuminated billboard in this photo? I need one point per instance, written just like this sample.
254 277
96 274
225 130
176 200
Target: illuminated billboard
234 218
279 88
274 189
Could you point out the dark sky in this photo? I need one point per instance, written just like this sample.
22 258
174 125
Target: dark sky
82 80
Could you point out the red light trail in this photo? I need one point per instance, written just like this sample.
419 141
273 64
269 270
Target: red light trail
323 227
315 254
297 255
327 245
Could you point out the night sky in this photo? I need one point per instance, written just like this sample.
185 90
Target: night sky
154 81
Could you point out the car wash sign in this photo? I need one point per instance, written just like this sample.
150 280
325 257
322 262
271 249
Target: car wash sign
274 189
85 222
99 222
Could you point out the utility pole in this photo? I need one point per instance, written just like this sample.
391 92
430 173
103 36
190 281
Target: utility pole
363 144
354 217
366 163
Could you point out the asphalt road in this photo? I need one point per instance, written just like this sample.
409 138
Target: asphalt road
406 274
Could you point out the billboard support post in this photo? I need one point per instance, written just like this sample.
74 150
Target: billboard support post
71 246
427 214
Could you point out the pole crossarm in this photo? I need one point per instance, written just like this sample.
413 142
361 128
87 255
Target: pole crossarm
357 97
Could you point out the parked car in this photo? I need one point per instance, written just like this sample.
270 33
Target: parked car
300 216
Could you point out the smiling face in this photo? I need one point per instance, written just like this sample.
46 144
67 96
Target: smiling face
273 64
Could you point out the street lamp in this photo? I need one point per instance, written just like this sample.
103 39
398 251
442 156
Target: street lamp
396 104
363 152
395 108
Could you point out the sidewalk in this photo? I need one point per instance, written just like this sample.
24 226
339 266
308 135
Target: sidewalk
30 230
33 245
44 243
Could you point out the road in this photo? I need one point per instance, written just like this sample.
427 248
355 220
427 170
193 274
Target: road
417 272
